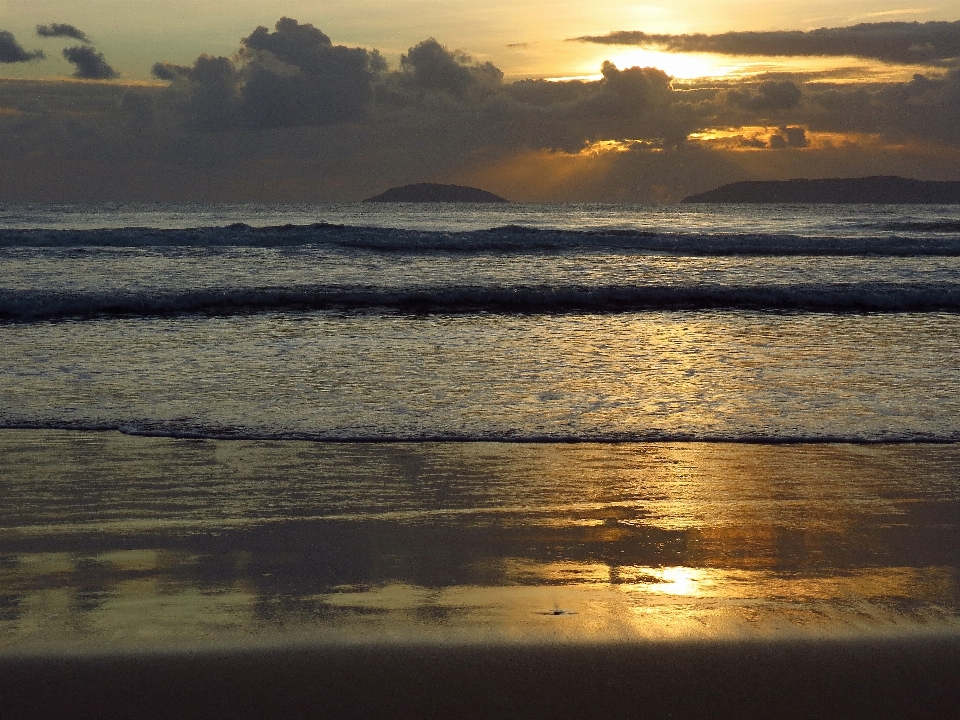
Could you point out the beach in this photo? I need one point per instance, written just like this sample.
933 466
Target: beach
423 361
875 679
362 461
213 578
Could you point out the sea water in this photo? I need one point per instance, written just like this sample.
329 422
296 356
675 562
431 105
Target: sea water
484 323
482 418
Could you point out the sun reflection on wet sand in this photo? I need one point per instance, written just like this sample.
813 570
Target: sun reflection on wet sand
250 543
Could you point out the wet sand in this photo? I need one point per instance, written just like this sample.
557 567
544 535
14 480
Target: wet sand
153 577
828 679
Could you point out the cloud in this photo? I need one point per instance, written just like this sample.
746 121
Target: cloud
431 66
129 143
62 30
634 103
90 65
292 116
209 91
789 137
168 71
300 45
769 95
292 77
297 76
12 52
921 109
930 42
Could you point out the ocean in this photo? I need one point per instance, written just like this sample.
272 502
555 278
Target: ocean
527 323
307 426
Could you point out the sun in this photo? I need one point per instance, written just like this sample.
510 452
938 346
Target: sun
683 66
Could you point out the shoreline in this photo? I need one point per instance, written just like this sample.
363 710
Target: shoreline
613 440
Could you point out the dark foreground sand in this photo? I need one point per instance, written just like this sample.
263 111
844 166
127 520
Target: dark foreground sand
915 678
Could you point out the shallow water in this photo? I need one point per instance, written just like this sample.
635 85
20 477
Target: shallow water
119 543
628 376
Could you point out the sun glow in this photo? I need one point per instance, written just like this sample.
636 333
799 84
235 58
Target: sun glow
758 137
584 63
678 580
683 66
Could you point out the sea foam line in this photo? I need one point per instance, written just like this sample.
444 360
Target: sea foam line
512 238
167 429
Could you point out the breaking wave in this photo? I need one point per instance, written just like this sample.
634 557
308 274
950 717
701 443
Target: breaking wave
945 241
34 305
925 226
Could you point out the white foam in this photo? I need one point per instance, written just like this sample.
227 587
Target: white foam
506 238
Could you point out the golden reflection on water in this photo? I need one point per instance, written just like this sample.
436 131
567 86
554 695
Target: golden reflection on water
216 542
644 603
676 580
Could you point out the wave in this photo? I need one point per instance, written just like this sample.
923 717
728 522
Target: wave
924 226
34 305
507 238
147 428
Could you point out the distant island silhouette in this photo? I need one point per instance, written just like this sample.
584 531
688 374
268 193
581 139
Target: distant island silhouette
878 189
434 192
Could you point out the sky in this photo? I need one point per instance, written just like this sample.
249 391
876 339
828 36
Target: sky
543 101
523 37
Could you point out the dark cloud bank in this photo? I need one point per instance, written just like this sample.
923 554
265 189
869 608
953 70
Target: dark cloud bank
902 42
291 77
293 116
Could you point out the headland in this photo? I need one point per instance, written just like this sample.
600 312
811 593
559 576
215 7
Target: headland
434 192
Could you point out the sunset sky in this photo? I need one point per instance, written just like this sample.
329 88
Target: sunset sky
747 90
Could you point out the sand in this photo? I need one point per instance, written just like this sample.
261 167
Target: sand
154 577
838 679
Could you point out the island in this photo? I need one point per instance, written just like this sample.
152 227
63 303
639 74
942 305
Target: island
434 192
879 189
